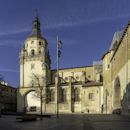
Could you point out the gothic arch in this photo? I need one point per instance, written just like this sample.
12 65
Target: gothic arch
32 52
30 99
28 92
117 94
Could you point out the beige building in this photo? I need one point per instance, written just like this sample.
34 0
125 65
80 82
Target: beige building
102 87
116 73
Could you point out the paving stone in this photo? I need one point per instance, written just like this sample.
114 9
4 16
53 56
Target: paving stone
69 122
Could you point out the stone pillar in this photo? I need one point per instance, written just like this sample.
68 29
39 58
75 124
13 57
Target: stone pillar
82 99
56 94
70 94
83 78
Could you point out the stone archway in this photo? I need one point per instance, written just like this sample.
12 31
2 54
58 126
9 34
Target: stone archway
32 101
117 94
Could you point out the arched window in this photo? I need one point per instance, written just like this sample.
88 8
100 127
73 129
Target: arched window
76 95
40 43
117 94
52 96
63 95
32 52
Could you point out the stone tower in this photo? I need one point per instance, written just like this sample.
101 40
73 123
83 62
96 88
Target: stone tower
34 57
34 66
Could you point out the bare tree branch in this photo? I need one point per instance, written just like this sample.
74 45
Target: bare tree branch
40 82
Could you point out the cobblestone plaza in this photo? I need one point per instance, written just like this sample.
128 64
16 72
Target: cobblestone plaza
69 122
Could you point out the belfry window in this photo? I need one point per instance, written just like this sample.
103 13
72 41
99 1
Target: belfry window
40 43
32 52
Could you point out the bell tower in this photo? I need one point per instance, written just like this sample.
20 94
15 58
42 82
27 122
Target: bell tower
34 58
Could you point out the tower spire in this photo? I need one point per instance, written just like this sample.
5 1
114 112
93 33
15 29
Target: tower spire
36 30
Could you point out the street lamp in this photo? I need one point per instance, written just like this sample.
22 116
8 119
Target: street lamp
59 45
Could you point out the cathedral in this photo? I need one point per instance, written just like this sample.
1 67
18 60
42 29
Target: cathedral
100 88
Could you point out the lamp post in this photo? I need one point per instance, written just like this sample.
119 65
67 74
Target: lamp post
57 83
59 45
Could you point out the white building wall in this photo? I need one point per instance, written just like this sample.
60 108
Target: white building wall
29 73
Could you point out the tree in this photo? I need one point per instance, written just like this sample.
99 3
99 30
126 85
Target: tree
40 83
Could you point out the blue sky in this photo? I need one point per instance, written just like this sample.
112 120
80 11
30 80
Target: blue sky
86 28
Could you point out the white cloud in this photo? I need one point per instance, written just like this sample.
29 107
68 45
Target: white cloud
10 42
15 31
70 22
9 70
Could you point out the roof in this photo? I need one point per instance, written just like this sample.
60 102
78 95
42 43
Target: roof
7 86
73 68
105 54
86 84
116 37
123 34
36 29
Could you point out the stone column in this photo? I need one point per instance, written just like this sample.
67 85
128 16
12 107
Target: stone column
56 95
83 78
70 94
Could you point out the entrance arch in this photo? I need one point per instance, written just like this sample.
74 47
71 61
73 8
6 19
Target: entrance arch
117 94
32 101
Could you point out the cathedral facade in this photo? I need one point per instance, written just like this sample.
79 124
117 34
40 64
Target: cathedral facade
100 88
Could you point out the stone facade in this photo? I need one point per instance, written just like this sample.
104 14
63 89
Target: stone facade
8 98
116 73
100 88
80 89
